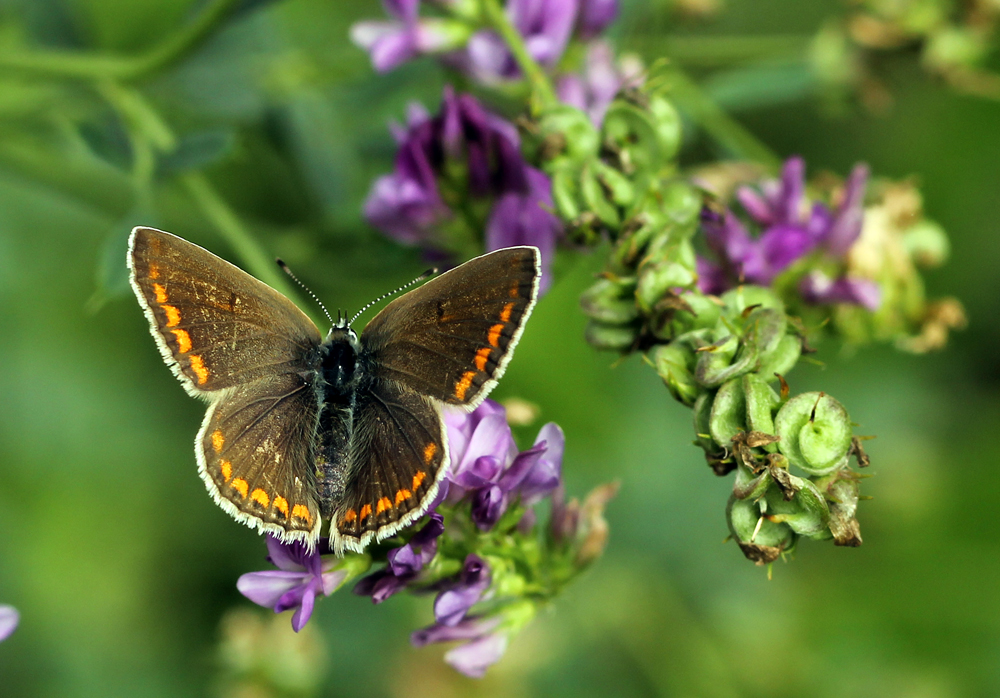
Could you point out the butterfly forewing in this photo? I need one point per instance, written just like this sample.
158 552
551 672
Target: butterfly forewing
216 326
256 455
397 459
451 338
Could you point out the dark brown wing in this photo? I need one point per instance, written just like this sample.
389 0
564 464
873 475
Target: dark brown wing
452 338
398 456
256 455
216 326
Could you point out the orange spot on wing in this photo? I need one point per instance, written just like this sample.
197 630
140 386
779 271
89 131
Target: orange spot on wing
240 485
494 336
462 387
173 315
482 356
301 511
198 366
260 496
227 470
505 315
218 440
154 271
281 504
366 511
383 504
515 290
418 478
183 341
350 516
429 451
402 496
161 293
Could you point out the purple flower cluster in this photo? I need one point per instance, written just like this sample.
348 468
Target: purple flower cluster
9 618
484 150
546 25
301 576
790 229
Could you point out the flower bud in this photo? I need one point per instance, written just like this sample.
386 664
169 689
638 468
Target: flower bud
610 301
673 363
760 540
611 337
815 432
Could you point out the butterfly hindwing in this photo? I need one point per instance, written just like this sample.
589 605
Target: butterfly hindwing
451 339
256 454
399 454
217 327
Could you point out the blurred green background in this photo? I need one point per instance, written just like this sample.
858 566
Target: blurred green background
124 570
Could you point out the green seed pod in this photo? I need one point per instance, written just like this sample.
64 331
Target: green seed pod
765 327
927 243
622 191
782 359
718 366
668 125
742 297
574 132
565 193
746 485
729 416
682 204
611 302
596 200
806 512
673 363
760 540
843 492
761 400
815 432
631 132
611 337
657 279
702 422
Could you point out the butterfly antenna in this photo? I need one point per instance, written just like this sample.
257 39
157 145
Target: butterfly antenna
426 275
284 268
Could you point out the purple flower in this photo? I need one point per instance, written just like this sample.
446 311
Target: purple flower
482 645
406 36
789 230
9 618
820 289
463 593
601 80
487 468
595 16
469 150
405 563
300 577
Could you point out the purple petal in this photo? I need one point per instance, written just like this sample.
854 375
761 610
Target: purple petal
268 587
291 557
712 278
475 657
468 629
820 289
411 558
786 206
850 214
783 244
304 609
492 438
595 16
405 10
546 26
572 90
523 464
451 605
488 504
9 618
756 205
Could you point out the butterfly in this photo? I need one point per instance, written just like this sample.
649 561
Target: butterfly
302 429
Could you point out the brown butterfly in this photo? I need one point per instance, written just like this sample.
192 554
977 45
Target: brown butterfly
348 429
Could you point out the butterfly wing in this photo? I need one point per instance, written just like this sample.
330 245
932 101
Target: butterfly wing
399 452
216 326
252 354
451 339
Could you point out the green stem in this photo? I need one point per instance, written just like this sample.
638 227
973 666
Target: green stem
59 64
540 83
229 225
725 130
